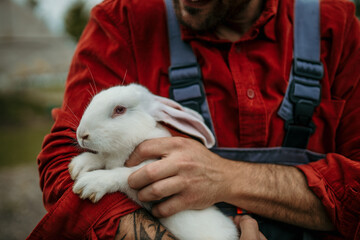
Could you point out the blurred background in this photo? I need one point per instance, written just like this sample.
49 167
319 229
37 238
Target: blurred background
37 40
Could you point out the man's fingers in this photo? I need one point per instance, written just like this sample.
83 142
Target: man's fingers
144 151
249 229
149 149
152 172
161 189
169 207
262 237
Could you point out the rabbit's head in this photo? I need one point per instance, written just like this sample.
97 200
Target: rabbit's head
121 117
117 118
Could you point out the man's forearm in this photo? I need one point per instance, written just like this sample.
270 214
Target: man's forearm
277 192
141 225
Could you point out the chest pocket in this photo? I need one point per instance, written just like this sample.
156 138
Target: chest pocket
326 119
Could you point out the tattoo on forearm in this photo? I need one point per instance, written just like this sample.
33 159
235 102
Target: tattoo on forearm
135 228
123 235
140 225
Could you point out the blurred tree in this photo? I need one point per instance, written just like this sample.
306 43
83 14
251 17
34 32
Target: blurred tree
32 3
76 18
357 4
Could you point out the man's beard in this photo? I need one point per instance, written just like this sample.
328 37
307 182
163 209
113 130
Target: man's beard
204 23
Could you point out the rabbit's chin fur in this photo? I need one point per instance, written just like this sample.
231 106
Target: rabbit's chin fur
112 138
118 158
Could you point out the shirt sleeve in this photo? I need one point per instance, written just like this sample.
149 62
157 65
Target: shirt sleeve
103 58
336 179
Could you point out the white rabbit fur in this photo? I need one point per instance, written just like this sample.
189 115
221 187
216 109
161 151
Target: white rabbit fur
110 140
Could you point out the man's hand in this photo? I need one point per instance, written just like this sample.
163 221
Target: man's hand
187 172
248 228
189 176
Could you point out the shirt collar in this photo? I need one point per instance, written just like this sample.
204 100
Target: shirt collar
267 19
265 23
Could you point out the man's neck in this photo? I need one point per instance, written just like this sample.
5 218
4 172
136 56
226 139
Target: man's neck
240 21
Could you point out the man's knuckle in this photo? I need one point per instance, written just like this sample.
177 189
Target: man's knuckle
179 142
151 172
248 220
156 191
163 211
190 200
141 149
252 221
186 163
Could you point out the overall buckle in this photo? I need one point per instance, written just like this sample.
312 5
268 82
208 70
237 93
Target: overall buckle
305 94
186 86
308 69
305 91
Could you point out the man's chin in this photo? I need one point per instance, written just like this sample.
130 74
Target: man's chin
201 19
196 3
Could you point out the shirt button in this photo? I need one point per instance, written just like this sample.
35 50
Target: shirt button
250 93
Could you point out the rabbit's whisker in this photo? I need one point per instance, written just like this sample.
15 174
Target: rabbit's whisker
93 79
124 78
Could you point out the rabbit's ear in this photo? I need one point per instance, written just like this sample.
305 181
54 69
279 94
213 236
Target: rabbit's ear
183 119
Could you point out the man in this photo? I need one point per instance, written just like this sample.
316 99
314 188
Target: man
244 48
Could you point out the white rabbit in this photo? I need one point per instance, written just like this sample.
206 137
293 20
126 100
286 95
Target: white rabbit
114 123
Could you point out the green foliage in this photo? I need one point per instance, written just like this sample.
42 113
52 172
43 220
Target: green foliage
22 144
23 125
32 3
76 19
17 109
357 4
24 121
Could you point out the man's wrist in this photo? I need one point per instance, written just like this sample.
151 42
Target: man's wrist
277 192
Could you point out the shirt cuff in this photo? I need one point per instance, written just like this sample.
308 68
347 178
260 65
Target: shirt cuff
336 182
73 218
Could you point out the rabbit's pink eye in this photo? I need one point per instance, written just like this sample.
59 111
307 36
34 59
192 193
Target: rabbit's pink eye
118 110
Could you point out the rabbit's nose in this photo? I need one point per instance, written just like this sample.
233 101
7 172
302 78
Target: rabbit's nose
82 134
85 137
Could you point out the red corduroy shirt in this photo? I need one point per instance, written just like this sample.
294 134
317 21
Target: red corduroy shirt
245 81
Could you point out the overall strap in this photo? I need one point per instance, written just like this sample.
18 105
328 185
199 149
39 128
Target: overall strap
304 90
184 72
297 108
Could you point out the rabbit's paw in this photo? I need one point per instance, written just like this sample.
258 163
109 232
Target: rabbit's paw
93 185
84 162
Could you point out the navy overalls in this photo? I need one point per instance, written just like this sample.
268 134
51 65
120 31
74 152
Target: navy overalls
301 98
